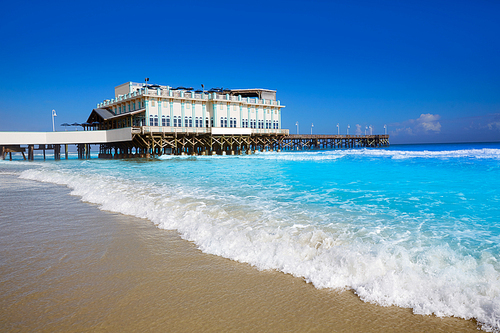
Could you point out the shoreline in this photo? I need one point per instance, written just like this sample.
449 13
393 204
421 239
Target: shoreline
117 272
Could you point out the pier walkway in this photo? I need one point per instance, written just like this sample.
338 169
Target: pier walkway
147 141
11 142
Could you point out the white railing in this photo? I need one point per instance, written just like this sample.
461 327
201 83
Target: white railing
207 130
171 129
269 131
187 95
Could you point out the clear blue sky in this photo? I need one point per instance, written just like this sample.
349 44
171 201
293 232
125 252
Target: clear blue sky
430 70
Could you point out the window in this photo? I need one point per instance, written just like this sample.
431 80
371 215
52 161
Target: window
165 120
177 121
199 122
119 109
223 121
133 106
153 120
232 122
153 103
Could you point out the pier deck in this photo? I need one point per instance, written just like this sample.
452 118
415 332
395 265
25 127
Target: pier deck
148 141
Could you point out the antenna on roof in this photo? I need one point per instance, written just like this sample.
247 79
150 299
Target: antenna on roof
147 80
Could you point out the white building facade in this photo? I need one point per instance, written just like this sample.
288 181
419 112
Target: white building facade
159 108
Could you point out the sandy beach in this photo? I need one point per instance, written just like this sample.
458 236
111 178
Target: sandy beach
68 266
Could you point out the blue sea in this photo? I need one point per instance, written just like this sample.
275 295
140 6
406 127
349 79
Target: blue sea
416 226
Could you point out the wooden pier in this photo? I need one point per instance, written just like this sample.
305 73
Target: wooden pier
149 144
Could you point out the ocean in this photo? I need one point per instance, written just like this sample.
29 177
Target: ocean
414 226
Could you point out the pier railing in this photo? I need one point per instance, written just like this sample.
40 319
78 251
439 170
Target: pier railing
187 95
335 136
209 130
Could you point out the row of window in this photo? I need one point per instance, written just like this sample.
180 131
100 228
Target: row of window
188 122
130 107
177 121
223 122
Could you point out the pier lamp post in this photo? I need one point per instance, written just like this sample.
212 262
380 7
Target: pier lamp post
371 130
385 129
312 125
297 124
53 115
348 129
338 129
366 127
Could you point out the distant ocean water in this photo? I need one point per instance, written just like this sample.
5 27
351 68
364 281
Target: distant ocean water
415 226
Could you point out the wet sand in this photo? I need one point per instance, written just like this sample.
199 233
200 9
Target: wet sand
67 266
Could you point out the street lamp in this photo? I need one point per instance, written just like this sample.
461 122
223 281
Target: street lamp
348 129
297 124
338 129
385 129
53 115
312 125
371 130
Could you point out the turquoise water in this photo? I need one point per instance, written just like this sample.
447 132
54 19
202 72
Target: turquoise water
414 226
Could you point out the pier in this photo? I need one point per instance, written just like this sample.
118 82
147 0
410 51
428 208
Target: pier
150 141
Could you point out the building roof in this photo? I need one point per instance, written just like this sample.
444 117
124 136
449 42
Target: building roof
104 114
254 92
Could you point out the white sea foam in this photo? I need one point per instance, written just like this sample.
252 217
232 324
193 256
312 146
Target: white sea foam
484 153
269 235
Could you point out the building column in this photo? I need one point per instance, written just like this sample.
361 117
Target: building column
204 108
183 113
257 116
249 112
193 113
215 114
146 101
241 114
171 113
159 112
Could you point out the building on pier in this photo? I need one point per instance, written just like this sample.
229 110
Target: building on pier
161 108
168 120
